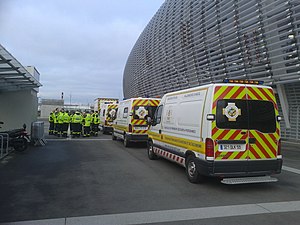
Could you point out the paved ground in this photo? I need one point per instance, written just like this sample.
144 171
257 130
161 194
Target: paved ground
98 181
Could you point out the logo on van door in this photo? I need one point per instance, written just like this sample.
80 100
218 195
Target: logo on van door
231 111
141 112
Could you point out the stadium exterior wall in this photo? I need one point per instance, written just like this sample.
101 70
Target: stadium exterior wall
189 43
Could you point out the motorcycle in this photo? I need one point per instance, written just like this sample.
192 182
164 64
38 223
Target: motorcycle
17 138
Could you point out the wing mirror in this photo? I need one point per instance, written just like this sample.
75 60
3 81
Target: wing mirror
149 120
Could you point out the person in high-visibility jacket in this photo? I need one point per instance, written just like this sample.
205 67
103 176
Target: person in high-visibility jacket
87 119
56 112
76 124
65 126
51 122
92 122
71 114
93 114
60 122
96 122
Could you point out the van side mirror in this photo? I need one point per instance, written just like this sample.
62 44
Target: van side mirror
210 117
149 120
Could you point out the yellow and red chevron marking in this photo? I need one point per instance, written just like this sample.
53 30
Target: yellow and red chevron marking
255 93
228 92
231 155
138 122
229 135
266 145
145 102
218 134
140 102
112 106
154 102
140 131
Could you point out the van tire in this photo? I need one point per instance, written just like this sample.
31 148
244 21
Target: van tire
191 170
126 141
113 137
151 154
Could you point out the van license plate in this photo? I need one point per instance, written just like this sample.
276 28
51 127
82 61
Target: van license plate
232 147
141 128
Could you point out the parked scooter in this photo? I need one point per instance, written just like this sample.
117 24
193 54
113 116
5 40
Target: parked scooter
17 138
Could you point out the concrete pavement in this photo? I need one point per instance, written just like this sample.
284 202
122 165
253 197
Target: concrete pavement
80 181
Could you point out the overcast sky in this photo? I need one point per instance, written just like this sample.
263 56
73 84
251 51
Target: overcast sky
80 47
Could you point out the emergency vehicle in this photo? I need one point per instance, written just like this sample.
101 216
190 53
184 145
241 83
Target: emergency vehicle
131 122
99 101
108 113
228 130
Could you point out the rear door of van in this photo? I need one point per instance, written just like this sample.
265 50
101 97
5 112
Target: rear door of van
141 109
245 127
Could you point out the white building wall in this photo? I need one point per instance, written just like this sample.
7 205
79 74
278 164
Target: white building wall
18 108
47 109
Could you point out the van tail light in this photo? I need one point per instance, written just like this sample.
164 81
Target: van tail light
279 147
209 148
130 128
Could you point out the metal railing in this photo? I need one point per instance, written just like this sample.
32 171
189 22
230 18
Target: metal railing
293 133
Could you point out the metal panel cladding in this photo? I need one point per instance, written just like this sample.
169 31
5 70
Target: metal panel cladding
192 42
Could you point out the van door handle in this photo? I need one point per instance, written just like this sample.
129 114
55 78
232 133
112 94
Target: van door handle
243 132
159 131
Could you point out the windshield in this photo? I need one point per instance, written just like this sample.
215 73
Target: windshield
142 112
246 114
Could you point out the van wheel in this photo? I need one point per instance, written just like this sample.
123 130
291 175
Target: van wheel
113 137
191 170
151 154
126 141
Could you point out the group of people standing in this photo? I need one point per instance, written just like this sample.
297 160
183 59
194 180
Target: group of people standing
85 124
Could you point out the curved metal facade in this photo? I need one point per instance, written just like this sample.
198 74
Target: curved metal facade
192 42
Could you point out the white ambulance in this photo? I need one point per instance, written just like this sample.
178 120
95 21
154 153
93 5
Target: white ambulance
228 130
108 113
131 122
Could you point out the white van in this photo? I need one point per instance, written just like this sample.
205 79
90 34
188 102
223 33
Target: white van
228 130
108 113
131 122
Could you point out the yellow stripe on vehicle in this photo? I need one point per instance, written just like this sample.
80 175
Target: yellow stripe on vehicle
154 135
120 127
196 146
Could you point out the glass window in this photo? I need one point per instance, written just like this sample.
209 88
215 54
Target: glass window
125 112
142 112
157 115
246 114
262 116
151 110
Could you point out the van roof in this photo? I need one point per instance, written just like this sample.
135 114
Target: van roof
214 85
131 99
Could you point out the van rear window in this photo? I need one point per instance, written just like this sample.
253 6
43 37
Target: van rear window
142 112
246 114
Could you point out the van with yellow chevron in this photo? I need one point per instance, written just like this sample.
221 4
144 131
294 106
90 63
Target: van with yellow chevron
131 122
228 130
108 113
